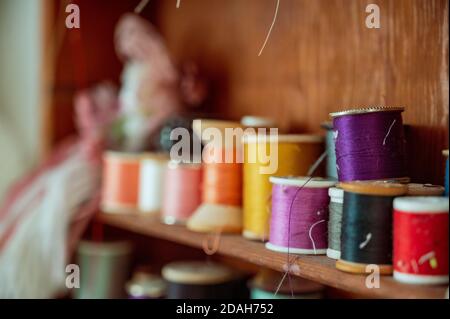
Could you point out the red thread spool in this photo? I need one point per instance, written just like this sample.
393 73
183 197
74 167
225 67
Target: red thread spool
421 240
182 192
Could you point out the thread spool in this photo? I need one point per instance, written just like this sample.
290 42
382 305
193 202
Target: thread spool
331 152
299 215
366 233
120 185
292 155
222 179
163 141
146 286
202 129
132 182
415 189
182 192
445 153
335 222
202 280
255 122
421 240
220 210
104 268
266 282
151 182
370 144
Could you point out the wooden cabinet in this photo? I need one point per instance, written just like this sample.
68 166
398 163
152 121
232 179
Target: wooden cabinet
320 58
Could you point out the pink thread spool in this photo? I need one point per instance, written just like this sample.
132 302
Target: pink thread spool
299 215
182 192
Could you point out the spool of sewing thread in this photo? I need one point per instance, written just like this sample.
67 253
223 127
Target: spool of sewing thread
366 233
258 122
421 240
163 141
335 222
445 153
151 182
415 189
146 286
120 186
266 156
203 280
370 144
221 194
222 181
182 192
299 219
331 152
266 283
104 269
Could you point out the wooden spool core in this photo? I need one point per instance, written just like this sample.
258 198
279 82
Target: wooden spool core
376 188
358 268
424 190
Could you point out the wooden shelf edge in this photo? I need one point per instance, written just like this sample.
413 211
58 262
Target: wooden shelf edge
317 268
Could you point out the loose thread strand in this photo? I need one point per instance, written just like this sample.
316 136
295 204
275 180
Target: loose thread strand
271 27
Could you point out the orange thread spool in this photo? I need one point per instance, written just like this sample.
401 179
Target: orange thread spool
221 194
120 190
222 182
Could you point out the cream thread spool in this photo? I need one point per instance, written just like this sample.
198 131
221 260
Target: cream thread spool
256 122
151 182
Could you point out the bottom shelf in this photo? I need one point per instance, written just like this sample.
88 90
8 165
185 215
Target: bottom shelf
317 268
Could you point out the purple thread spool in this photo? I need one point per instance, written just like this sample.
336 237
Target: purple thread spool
370 144
299 215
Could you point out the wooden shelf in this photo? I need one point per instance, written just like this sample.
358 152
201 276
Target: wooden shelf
317 268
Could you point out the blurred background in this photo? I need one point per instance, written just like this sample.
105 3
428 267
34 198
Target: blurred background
320 57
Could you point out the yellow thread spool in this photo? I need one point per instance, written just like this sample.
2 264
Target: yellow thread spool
296 154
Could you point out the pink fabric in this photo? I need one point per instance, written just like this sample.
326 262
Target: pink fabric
95 109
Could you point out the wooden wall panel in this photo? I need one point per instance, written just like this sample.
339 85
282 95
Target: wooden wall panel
321 58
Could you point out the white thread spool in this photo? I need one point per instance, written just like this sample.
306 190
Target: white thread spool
151 182
258 122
